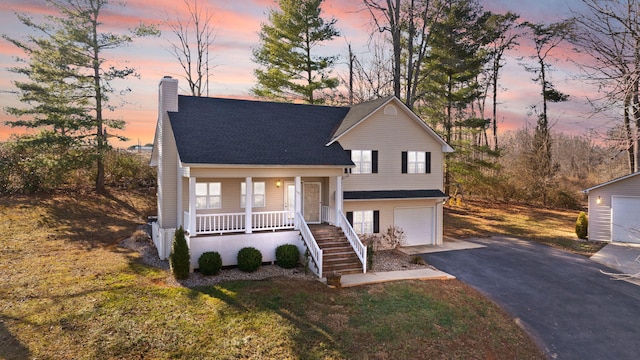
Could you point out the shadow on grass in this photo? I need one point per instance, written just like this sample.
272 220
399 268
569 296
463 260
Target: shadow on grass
12 348
291 303
96 220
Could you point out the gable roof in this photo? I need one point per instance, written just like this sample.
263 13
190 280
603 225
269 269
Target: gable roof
245 132
359 113
586 191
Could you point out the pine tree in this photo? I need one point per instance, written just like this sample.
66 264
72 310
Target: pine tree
68 85
289 69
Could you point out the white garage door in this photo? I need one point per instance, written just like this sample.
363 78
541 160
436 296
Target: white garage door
625 219
417 223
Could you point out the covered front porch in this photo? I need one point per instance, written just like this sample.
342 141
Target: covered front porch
217 206
223 212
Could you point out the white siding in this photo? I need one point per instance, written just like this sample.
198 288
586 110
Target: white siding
600 214
391 135
167 156
387 210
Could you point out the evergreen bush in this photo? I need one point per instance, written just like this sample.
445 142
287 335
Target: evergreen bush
370 254
287 256
249 259
582 225
179 260
210 263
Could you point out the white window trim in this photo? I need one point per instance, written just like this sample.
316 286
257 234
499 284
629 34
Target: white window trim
209 196
255 194
363 224
418 165
358 169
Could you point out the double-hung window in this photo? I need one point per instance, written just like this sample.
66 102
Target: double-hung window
208 195
259 189
416 162
364 221
366 161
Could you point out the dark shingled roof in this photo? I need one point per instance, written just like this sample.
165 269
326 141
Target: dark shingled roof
243 132
393 194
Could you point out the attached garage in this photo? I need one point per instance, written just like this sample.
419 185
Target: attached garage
625 219
417 223
614 210
417 212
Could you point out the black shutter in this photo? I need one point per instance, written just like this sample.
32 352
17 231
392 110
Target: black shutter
348 170
376 221
374 161
350 217
427 165
404 162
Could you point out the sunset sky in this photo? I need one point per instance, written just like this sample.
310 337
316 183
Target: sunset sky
237 25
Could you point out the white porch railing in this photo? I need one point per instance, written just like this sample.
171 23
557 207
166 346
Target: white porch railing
273 220
236 222
314 250
355 242
328 215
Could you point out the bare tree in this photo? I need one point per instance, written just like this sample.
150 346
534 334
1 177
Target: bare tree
609 32
370 77
409 24
195 37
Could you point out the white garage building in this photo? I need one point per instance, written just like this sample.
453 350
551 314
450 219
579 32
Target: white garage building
614 210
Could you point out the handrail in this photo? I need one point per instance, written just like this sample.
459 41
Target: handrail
235 222
272 220
328 215
312 246
355 242
219 223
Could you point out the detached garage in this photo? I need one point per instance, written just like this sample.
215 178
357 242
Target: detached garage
614 210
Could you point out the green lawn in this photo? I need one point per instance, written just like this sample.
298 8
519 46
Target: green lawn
68 292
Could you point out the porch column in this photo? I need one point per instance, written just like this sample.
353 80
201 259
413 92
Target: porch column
298 209
339 199
192 207
248 205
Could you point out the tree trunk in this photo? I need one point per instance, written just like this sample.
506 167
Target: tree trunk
394 17
100 135
629 134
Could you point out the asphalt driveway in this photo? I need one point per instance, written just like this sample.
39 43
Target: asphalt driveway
563 300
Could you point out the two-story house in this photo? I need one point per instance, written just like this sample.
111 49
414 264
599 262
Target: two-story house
237 173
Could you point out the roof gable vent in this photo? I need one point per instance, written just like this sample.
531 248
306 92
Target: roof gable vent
390 110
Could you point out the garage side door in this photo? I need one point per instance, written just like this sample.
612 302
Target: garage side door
417 223
625 219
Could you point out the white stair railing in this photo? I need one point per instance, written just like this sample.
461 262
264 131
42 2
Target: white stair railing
355 242
312 246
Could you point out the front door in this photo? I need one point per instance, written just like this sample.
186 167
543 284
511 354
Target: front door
290 198
311 202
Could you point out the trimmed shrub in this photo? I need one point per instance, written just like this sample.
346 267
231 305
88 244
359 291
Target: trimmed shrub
210 263
249 259
287 256
179 260
370 254
582 225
